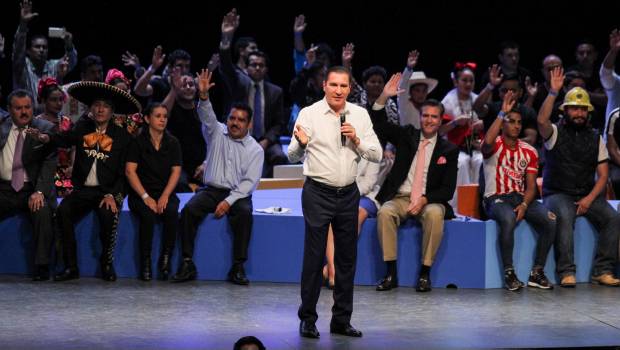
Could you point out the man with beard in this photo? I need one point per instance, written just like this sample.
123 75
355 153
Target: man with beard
574 153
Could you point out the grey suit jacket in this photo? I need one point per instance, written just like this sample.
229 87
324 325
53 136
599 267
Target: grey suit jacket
39 159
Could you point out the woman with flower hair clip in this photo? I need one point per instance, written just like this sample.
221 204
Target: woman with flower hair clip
52 97
131 122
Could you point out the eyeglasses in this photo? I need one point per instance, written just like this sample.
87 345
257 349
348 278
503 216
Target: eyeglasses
257 65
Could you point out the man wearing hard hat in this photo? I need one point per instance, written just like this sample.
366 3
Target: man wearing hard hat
575 153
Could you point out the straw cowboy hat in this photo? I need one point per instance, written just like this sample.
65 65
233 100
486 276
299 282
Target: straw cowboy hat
419 77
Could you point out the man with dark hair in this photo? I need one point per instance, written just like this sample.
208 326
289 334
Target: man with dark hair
185 125
487 111
98 172
31 64
333 135
27 168
575 153
249 343
243 46
234 163
510 171
91 69
156 87
508 57
420 184
265 98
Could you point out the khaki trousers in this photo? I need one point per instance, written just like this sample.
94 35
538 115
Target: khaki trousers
393 212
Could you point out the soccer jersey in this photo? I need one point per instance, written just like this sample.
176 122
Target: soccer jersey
505 168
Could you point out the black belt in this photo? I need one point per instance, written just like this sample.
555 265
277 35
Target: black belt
337 190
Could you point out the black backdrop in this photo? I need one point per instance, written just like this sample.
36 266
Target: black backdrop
383 32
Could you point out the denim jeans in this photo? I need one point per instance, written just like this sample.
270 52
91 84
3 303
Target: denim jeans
501 209
604 218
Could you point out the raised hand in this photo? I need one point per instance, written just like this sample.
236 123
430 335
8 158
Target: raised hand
204 82
348 51
311 54
158 57
614 40
390 88
412 59
177 79
300 24
509 101
68 39
495 75
63 67
130 60
230 22
26 14
557 79
532 89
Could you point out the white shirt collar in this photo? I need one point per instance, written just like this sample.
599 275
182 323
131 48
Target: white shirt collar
328 110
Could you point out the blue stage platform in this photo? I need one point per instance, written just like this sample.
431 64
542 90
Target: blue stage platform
468 256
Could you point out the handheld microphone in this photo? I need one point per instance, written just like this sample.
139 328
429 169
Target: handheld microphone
343 138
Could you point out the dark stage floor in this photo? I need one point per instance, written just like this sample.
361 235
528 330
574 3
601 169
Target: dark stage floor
129 314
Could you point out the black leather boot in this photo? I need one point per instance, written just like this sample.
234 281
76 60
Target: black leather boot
146 274
107 272
187 271
165 264
70 273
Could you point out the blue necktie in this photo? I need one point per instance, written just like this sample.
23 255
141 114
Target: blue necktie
257 130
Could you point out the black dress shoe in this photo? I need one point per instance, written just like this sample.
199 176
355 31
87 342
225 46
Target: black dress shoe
108 273
41 273
237 276
70 273
387 283
347 330
424 284
187 272
164 265
146 274
308 330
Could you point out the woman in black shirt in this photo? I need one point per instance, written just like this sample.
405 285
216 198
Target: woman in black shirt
153 169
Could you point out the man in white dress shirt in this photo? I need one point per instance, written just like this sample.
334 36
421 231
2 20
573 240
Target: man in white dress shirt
333 135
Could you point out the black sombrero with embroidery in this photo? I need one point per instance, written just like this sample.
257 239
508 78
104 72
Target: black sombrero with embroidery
89 91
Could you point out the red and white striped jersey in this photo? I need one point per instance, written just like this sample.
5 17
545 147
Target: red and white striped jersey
505 168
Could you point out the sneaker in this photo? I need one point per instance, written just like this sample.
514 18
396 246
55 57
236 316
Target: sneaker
539 280
511 280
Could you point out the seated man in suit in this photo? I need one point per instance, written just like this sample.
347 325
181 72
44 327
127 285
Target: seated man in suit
263 97
27 169
420 184
98 171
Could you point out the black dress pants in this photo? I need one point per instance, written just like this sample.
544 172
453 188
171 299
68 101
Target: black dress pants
324 205
12 202
204 202
147 217
74 207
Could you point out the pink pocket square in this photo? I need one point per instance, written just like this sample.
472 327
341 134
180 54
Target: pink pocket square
441 160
